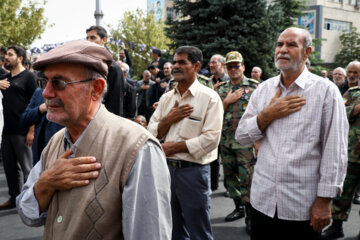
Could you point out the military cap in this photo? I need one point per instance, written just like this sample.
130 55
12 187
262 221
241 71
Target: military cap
80 51
233 56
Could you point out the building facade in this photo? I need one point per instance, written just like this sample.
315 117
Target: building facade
327 20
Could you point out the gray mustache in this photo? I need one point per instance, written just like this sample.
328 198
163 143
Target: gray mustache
54 102
287 56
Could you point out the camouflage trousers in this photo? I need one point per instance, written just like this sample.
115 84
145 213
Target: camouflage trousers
238 170
341 205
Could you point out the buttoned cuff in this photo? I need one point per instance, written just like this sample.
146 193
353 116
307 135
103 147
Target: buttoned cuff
255 131
247 138
328 191
30 206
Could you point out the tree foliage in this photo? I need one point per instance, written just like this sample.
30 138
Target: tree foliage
250 27
289 11
350 48
140 32
21 23
216 27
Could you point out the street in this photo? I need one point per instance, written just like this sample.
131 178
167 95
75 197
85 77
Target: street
11 227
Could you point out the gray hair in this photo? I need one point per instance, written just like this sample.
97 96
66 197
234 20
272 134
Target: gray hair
124 66
96 75
258 68
307 37
220 58
356 62
342 70
168 63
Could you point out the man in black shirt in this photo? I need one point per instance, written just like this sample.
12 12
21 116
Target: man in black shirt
143 96
17 155
157 60
116 84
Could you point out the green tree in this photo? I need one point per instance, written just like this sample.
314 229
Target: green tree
140 32
350 48
289 11
250 27
21 23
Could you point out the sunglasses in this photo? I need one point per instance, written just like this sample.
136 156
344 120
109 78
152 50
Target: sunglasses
231 67
58 84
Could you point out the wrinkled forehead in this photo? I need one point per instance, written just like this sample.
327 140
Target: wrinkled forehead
214 58
338 71
353 67
291 35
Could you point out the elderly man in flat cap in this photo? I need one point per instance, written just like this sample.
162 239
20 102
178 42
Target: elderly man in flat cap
101 177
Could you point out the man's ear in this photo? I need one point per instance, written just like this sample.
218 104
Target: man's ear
21 58
104 40
197 66
308 50
97 90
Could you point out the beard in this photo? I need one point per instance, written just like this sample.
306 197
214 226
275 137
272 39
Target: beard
10 66
292 65
353 80
215 70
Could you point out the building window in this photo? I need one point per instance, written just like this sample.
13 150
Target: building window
350 2
336 25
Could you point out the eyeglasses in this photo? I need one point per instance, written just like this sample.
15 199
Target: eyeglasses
228 67
60 85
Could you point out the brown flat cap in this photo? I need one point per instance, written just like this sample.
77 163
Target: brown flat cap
80 51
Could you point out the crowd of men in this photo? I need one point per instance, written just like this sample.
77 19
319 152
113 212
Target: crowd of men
76 163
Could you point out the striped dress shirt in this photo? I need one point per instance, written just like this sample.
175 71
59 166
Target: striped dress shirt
301 156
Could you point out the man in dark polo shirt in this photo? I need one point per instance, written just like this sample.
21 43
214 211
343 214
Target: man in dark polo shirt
17 156
114 98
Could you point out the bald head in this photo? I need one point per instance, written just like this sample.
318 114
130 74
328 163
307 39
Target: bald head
256 73
305 35
217 65
353 71
140 119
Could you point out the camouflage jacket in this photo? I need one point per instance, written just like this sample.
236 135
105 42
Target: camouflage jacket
204 81
352 98
234 112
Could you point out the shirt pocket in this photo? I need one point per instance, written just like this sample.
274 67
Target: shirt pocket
190 128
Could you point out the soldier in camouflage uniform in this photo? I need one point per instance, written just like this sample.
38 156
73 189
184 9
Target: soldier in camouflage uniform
237 160
341 206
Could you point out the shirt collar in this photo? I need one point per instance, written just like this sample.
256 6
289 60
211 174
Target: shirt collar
300 81
192 89
67 140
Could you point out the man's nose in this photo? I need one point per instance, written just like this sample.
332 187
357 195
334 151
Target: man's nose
48 91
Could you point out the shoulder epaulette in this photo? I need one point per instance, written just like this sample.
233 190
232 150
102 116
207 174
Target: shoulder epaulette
354 88
203 77
253 80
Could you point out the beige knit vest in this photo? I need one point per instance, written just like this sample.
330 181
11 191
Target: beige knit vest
95 211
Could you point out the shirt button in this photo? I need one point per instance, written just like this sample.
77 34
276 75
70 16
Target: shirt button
59 219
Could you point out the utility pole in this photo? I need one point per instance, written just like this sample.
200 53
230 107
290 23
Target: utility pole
98 13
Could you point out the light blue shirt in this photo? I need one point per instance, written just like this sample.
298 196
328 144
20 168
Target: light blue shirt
148 182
